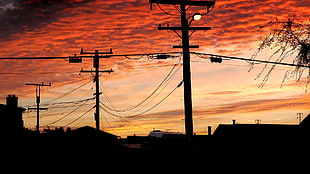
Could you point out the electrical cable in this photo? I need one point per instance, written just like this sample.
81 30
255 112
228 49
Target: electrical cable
162 83
123 120
79 117
70 102
247 59
141 113
85 101
69 83
67 57
163 10
67 93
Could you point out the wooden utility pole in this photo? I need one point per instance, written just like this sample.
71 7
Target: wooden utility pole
96 62
188 111
38 95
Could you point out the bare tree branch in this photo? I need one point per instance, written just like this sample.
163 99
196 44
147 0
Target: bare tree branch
286 38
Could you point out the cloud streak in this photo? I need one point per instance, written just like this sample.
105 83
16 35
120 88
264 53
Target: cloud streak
249 106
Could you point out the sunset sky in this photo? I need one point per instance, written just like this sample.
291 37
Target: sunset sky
133 96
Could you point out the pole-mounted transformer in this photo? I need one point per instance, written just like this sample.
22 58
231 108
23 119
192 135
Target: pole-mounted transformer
75 59
215 59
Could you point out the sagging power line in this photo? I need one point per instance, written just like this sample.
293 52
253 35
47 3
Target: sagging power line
219 58
145 104
84 101
105 108
163 55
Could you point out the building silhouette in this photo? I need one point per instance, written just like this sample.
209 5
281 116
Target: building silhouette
258 131
227 138
11 117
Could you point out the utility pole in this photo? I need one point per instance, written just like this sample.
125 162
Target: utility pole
38 95
96 58
185 27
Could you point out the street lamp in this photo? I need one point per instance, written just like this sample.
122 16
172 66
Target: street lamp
185 27
197 16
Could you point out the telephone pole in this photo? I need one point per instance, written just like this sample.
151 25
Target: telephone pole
38 95
96 58
185 27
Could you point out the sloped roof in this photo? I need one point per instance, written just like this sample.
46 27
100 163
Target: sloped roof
254 131
305 123
90 131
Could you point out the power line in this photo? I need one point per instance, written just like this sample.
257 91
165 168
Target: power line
161 84
160 55
147 110
220 57
75 109
150 55
70 102
69 92
213 57
79 117
33 58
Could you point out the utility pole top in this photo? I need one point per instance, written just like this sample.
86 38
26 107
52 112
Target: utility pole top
185 27
96 52
183 2
96 79
180 28
39 84
38 100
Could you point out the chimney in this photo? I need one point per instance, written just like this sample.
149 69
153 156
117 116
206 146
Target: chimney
12 101
234 122
209 130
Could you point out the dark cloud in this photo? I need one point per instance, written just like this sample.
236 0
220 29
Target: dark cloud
20 15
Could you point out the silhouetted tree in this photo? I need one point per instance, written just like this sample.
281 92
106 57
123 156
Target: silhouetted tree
287 38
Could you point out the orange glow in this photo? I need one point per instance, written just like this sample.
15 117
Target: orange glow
220 91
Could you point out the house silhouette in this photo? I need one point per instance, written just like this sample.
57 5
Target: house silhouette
262 131
11 117
262 138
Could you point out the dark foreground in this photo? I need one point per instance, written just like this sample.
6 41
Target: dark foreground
54 154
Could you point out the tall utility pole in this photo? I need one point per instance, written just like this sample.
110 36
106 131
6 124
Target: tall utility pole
188 108
38 95
96 58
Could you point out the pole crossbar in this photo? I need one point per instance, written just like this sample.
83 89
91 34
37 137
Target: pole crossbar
96 80
185 27
108 71
183 2
38 96
180 28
